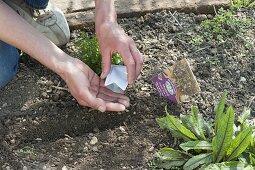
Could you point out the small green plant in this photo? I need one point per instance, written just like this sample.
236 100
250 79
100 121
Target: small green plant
237 4
27 150
222 144
89 53
196 40
224 25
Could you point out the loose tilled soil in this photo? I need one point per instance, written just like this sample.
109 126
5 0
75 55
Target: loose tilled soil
43 127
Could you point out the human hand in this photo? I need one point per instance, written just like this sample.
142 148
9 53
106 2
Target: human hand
89 89
112 38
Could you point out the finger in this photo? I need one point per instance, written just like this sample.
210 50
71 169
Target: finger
138 59
106 63
107 98
124 102
108 92
87 99
116 107
130 63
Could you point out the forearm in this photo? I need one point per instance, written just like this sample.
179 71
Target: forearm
17 32
105 12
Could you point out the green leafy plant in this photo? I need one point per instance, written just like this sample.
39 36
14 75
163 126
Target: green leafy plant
196 40
89 53
236 4
220 144
224 25
27 150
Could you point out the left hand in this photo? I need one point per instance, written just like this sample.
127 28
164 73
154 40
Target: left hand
88 89
112 38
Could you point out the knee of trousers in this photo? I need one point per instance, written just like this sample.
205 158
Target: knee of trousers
9 59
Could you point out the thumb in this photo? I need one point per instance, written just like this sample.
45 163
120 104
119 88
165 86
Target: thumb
106 63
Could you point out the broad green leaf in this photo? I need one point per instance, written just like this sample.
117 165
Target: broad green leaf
202 127
223 138
164 124
189 123
209 128
240 143
193 126
228 166
194 111
195 123
196 145
174 125
172 155
251 4
219 109
243 158
252 159
244 115
166 164
198 160
169 158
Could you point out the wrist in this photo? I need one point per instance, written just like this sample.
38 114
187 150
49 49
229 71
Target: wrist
105 13
63 64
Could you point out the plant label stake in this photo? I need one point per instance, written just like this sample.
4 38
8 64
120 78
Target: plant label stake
116 80
177 82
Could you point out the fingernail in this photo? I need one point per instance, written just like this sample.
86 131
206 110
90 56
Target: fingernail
124 102
130 81
101 109
103 75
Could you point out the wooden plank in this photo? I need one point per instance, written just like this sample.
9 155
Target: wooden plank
81 12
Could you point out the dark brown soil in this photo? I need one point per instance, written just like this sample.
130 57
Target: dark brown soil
43 127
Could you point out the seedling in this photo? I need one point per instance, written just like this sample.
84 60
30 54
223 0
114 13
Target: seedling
89 53
236 4
27 150
196 40
223 144
224 25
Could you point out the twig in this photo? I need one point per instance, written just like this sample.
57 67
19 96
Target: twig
200 49
182 41
226 52
215 11
60 88
251 101
175 19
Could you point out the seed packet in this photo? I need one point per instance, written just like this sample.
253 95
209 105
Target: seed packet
177 82
116 80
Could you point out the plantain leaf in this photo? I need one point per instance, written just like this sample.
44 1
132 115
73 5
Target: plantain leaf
171 154
240 143
223 138
189 123
219 109
252 159
174 125
164 124
195 123
196 145
244 157
168 158
198 160
166 164
228 166
244 115
251 4
242 119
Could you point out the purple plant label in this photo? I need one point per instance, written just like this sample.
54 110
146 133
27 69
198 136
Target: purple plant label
165 86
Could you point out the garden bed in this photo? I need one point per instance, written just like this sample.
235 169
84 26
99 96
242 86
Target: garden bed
42 126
